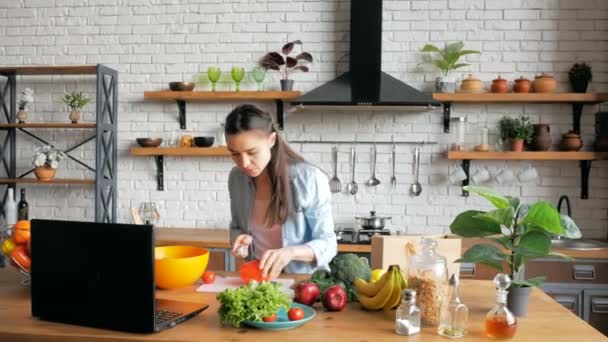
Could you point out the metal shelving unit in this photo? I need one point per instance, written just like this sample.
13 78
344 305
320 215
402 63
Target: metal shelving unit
105 135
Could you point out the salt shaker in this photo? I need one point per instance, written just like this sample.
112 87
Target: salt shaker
407 316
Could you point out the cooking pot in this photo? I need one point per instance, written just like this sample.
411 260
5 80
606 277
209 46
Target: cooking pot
372 221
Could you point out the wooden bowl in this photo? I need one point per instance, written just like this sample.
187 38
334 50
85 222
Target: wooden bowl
181 86
149 142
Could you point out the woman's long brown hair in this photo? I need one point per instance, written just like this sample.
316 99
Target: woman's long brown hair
249 117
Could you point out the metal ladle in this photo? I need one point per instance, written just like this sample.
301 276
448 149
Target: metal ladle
352 186
416 187
373 181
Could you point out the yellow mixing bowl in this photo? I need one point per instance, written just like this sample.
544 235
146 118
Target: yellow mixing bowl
179 266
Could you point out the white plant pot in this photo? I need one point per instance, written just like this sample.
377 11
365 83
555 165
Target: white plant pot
445 84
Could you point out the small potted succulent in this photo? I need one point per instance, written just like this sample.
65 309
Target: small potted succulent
46 160
26 97
76 101
446 61
517 233
286 64
516 131
580 76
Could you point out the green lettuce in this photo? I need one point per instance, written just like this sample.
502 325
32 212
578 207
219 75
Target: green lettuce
251 302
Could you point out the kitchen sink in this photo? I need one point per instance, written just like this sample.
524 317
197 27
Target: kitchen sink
579 244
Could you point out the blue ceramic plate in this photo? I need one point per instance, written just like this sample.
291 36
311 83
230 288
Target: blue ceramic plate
283 321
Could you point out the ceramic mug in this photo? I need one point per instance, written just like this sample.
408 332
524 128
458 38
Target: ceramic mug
505 176
528 174
456 174
481 176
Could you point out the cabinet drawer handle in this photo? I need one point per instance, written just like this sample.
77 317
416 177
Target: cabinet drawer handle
599 305
583 272
468 270
568 303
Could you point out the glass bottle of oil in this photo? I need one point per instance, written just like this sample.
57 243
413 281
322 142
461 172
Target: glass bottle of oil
500 323
454 314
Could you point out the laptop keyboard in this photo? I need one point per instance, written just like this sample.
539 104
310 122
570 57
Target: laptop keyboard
163 316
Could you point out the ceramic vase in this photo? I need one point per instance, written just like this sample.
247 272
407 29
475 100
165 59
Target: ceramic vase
45 173
21 115
74 116
541 140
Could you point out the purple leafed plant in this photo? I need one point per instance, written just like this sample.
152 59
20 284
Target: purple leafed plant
284 63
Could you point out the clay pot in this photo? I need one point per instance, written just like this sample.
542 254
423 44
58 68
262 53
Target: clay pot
571 142
500 85
544 83
471 84
579 86
522 85
601 143
517 145
541 141
74 116
45 173
21 115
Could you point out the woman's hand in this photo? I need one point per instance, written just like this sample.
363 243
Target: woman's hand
242 242
274 260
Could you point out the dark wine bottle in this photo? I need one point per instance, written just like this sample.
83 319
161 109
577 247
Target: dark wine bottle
23 208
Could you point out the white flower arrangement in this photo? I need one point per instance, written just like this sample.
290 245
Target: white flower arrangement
27 97
47 156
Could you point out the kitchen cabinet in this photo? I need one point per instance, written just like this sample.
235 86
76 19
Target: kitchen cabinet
104 133
569 297
580 271
595 308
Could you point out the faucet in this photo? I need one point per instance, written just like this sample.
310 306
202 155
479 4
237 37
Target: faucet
559 209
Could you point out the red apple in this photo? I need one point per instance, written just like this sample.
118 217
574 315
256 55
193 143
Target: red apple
306 293
335 298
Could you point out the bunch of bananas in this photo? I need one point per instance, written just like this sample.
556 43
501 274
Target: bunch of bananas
384 293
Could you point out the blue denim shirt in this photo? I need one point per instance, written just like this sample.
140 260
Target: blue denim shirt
310 221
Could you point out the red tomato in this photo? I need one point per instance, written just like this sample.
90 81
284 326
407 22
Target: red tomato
208 277
251 271
295 314
271 318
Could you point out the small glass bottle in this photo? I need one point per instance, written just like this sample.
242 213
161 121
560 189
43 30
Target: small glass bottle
458 137
500 323
428 274
454 314
407 316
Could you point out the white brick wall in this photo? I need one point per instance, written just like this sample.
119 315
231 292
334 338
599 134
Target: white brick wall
152 42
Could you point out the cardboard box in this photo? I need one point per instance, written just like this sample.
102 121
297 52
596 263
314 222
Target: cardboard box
393 250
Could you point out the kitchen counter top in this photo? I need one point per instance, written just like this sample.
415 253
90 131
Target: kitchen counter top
218 238
546 320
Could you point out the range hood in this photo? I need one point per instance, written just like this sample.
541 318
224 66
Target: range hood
365 86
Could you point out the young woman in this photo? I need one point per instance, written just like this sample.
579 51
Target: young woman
280 204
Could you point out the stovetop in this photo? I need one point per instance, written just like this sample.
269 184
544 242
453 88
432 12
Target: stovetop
359 237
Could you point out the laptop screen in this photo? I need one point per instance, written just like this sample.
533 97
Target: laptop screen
95 274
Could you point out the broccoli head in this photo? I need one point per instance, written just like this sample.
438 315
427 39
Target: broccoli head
348 266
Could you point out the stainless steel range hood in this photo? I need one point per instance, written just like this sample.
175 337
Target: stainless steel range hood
365 86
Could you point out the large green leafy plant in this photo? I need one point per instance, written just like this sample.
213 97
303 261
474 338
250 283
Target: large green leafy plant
523 231
446 59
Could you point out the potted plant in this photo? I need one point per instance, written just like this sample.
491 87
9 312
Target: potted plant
516 131
27 97
76 101
286 64
46 160
519 233
580 76
446 61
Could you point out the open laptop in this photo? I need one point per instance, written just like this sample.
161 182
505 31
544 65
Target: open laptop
100 275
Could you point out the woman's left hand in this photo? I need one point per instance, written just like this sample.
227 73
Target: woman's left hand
274 260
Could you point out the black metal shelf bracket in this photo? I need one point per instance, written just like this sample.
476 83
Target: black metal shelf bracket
585 169
160 173
466 164
447 108
280 113
181 107
577 111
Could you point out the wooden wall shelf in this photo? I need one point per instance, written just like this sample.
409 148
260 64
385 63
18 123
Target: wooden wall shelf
577 100
50 70
221 96
160 152
584 158
52 181
47 125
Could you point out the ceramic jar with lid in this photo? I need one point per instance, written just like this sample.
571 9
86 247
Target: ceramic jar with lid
471 84
571 142
500 85
544 83
521 85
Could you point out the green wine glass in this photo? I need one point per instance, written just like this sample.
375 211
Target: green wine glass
259 74
214 74
238 73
